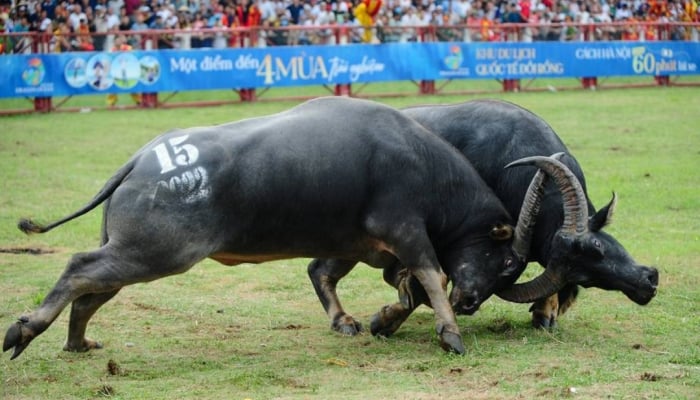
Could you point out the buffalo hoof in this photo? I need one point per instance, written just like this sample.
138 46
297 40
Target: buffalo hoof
347 325
388 320
542 322
452 342
18 336
86 345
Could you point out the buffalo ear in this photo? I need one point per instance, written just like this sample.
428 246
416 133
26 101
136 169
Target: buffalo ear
604 216
501 232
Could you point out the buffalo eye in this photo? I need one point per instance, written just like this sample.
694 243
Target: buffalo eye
510 267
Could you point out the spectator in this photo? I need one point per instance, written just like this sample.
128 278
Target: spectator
24 43
50 7
623 12
182 38
295 9
267 10
125 21
306 20
365 12
76 16
461 8
100 27
114 6
112 20
512 14
138 26
409 20
61 38
388 26
325 18
599 16
83 40
45 23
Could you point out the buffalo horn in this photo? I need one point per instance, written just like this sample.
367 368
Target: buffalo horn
545 285
575 221
573 196
528 213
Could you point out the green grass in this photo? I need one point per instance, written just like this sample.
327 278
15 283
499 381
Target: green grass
259 332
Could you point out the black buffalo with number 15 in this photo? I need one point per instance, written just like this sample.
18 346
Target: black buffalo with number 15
333 177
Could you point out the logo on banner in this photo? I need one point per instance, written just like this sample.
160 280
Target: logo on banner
33 76
34 73
453 61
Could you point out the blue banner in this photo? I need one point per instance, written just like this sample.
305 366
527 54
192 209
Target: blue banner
48 75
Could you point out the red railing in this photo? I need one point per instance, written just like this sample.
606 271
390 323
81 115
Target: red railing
262 36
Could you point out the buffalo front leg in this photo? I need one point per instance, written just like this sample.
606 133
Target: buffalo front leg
546 311
324 275
413 249
434 281
83 308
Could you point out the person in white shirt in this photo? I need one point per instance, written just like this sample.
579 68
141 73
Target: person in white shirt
75 16
409 20
44 22
267 10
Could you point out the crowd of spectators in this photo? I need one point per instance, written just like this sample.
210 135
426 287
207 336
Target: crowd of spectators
75 25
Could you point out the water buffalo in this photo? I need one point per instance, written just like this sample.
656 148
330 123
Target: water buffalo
334 177
575 251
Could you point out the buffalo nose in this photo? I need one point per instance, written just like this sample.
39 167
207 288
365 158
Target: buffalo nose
652 275
467 303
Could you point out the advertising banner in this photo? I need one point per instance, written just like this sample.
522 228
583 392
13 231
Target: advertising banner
76 73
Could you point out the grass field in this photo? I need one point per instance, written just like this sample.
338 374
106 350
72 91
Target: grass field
258 331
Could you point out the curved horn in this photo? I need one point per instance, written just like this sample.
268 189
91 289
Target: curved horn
529 211
573 196
541 287
575 221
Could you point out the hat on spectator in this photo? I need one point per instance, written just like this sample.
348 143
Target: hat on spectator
183 8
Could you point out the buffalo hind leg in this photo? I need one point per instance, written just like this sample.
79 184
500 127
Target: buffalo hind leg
81 276
324 275
99 272
82 309
411 295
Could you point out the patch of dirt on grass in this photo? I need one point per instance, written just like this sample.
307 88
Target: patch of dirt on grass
36 251
650 377
113 368
105 391
501 326
292 327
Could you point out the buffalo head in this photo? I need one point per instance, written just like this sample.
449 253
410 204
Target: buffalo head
581 253
472 284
